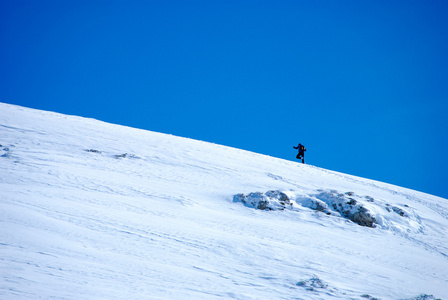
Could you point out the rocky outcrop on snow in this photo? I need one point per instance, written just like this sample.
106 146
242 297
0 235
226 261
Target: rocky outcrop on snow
271 200
313 284
5 151
126 155
94 151
316 287
117 156
329 202
360 209
346 206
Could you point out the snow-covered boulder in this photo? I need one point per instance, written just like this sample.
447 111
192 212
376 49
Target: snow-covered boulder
328 202
271 200
313 284
347 206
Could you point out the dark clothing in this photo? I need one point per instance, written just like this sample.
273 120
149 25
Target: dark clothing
301 154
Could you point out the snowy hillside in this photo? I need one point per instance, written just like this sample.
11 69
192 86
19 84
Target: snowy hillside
91 210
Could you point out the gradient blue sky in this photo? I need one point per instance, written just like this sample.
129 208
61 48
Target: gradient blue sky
362 84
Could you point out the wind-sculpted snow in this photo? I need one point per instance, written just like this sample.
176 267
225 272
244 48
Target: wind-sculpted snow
91 210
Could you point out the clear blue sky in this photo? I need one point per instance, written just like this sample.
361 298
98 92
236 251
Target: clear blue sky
362 84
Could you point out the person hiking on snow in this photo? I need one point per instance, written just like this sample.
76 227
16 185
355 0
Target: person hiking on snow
301 154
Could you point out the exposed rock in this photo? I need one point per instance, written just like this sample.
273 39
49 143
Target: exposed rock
363 218
282 197
126 155
352 201
399 211
94 151
347 207
271 200
312 284
329 202
369 199
369 297
425 297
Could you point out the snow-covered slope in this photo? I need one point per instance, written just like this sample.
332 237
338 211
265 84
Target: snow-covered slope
91 210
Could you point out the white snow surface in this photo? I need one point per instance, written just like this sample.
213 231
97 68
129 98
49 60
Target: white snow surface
79 219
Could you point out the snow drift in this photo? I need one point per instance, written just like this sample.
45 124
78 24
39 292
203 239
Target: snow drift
91 210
